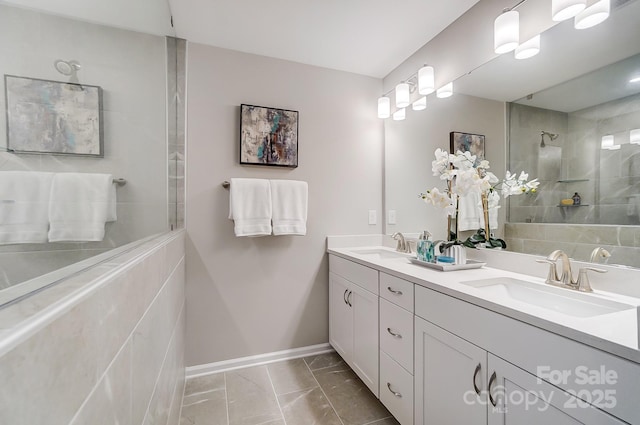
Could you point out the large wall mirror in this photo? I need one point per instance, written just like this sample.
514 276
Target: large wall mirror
569 116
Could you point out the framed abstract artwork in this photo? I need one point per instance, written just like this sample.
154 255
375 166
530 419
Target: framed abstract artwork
52 117
268 136
467 142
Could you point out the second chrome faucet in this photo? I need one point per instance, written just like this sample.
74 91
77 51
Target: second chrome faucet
565 278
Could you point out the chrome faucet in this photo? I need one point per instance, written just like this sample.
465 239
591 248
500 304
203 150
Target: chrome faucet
565 279
402 245
598 253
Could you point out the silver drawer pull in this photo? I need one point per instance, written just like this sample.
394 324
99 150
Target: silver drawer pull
395 393
395 335
394 291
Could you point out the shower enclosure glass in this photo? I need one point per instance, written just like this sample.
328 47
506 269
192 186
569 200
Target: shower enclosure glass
140 123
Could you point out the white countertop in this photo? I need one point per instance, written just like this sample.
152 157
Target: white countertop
616 333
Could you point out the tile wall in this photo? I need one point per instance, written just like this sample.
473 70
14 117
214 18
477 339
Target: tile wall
109 351
577 240
608 181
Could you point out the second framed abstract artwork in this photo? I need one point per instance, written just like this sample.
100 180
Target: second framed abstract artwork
467 142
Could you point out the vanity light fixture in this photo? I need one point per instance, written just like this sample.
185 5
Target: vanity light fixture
426 81
593 15
420 104
403 95
564 9
445 91
634 136
608 143
506 31
384 107
399 115
529 48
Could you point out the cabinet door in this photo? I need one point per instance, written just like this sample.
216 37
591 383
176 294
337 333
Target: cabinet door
450 375
517 397
365 336
340 317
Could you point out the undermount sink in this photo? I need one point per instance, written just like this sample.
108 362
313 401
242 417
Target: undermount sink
379 253
560 300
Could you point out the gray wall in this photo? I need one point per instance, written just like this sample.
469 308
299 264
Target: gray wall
131 69
256 295
114 354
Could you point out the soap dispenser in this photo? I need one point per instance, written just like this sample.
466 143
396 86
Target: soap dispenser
576 199
425 251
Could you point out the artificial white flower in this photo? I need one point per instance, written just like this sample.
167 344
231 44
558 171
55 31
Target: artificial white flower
465 176
464 160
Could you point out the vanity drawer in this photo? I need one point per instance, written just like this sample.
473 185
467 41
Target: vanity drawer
396 389
355 273
396 333
396 290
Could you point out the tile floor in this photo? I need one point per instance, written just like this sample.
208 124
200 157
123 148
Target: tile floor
315 390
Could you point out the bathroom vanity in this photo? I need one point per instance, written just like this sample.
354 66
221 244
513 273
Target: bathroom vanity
484 346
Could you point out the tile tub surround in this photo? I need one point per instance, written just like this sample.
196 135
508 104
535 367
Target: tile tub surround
106 346
315 390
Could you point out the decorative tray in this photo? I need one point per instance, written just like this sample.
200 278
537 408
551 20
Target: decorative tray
471 264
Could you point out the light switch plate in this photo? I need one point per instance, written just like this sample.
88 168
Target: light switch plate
373 217
391 217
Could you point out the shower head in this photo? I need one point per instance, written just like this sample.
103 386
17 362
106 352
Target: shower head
70 69
67 68
551 136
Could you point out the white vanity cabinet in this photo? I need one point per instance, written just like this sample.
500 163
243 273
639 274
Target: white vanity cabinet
396 347
450 378
457 382
517 397
461 377
435 358
353 317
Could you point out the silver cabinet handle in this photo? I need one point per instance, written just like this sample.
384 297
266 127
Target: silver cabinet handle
395 393
493 378
395 335
394 291
475 376
349 298
344 296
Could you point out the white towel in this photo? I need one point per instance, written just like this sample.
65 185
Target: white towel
24 206
250 206
470 215
81 204
289 199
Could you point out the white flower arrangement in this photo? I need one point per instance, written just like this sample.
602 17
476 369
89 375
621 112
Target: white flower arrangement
465 176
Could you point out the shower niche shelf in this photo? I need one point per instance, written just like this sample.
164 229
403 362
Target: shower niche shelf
572 181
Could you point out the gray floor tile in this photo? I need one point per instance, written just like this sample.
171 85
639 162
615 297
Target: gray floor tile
205 408
204 383
352 400
251 400
324 360
308 407
291 375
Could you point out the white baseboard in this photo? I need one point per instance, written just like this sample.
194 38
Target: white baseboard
260 359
